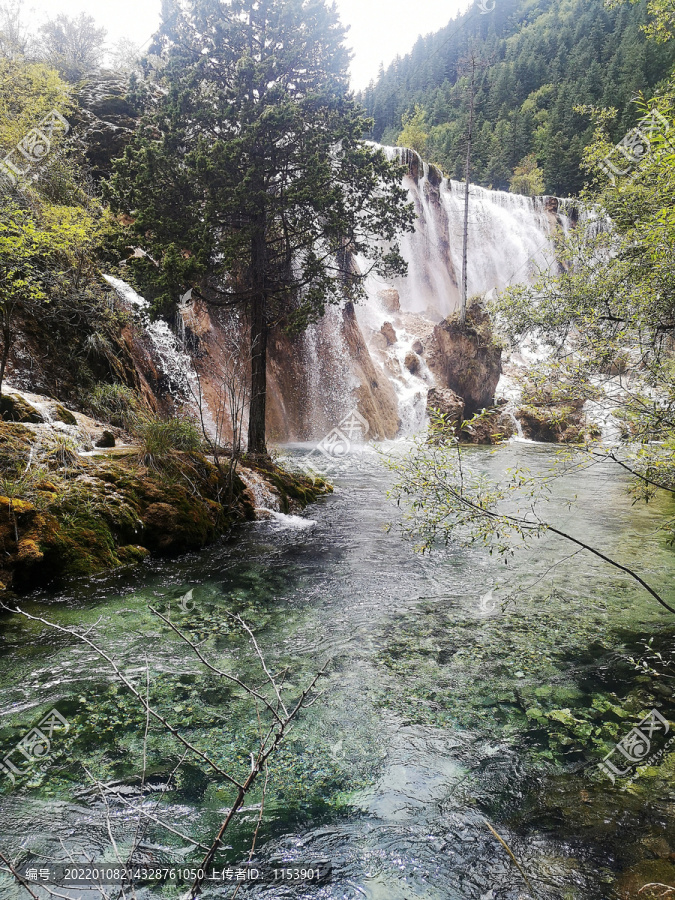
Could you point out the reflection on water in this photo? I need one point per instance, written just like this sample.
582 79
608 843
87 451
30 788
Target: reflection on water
420 736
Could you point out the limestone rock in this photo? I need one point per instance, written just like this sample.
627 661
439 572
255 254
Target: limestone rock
412 362
418 347
379 341
15 409
434 175
446 402
390 299
467 360
61 414
491 427
107 439
389 333
556 424
375 394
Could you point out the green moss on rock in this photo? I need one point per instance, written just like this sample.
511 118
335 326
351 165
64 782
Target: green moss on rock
111 512
15 409
61 414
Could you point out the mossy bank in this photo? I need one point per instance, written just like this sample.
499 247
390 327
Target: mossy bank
66 512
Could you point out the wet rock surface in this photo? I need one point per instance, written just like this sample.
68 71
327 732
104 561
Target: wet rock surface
70 511
466 359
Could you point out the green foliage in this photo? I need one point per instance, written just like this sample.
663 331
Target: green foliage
161 438
547 57
445 500
202 206
661 26
114 403
527 178
252 186
28 91
73 46
414 133
607 317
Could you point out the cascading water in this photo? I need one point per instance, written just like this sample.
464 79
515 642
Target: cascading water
174 363
510 240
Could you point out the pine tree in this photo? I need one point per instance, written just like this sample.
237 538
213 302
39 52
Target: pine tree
259 188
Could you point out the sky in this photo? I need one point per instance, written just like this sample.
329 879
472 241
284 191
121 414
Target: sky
379 29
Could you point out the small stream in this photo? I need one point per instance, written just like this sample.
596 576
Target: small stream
422 735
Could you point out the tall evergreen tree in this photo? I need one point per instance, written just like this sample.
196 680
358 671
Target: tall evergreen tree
255 187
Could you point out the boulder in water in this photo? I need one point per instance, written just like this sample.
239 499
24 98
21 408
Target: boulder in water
14 408
418 347
389 298
412 362
446 402
106 440
555 424
492 426
379 341
467 359
389 333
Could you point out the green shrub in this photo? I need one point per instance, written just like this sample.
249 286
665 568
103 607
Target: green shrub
114 403
160 438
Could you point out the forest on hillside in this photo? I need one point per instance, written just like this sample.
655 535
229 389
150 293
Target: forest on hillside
539 62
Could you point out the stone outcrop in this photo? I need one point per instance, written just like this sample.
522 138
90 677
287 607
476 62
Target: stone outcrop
557 423
490 427
466 359
412 362
389 298
108 510
375 394
389 333
446 402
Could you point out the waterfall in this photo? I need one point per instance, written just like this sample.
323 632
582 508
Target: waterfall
174 365
375 361
510 240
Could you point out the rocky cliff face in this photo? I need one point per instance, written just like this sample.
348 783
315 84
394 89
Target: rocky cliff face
314 379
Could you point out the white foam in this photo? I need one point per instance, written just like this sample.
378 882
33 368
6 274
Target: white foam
295 523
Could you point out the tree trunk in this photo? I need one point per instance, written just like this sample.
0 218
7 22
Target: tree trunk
467 175
256 418
6 346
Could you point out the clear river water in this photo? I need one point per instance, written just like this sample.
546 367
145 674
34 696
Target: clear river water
461 692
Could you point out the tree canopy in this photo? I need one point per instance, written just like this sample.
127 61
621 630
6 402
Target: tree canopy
250 183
